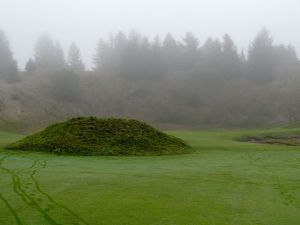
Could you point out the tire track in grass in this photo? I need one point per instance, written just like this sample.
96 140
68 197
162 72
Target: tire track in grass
67 212
10 208
27 187
27 199
15 215
286 194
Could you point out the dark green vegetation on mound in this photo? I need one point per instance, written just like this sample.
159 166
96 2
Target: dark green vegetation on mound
93 136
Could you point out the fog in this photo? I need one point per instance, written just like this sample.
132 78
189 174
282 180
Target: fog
175 64
85 21
94 79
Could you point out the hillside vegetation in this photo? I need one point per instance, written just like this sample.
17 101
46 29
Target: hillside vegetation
170 83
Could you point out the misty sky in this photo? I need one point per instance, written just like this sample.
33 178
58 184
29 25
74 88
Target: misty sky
85 21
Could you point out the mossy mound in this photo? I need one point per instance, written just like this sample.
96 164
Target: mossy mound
93 136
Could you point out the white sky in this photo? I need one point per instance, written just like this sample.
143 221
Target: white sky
85 21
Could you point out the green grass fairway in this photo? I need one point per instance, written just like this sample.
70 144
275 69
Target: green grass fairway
224 182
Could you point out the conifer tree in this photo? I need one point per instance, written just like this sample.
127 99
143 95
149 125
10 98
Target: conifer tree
74 58
8 66
30 66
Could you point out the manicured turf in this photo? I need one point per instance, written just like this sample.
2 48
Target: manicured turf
224 182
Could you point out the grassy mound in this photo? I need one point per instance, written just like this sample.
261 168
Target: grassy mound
93 136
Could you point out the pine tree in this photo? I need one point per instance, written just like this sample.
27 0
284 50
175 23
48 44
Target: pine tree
171 53
49 55
103 57
30 66
242 56
59 56
212 53
45 52
211 63
231 59
8 66
74 58
132 63
262 58
191 45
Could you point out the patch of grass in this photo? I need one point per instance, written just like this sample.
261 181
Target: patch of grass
93 136
223 182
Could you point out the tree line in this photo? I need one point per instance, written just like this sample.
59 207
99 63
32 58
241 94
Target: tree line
167 79
135 56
